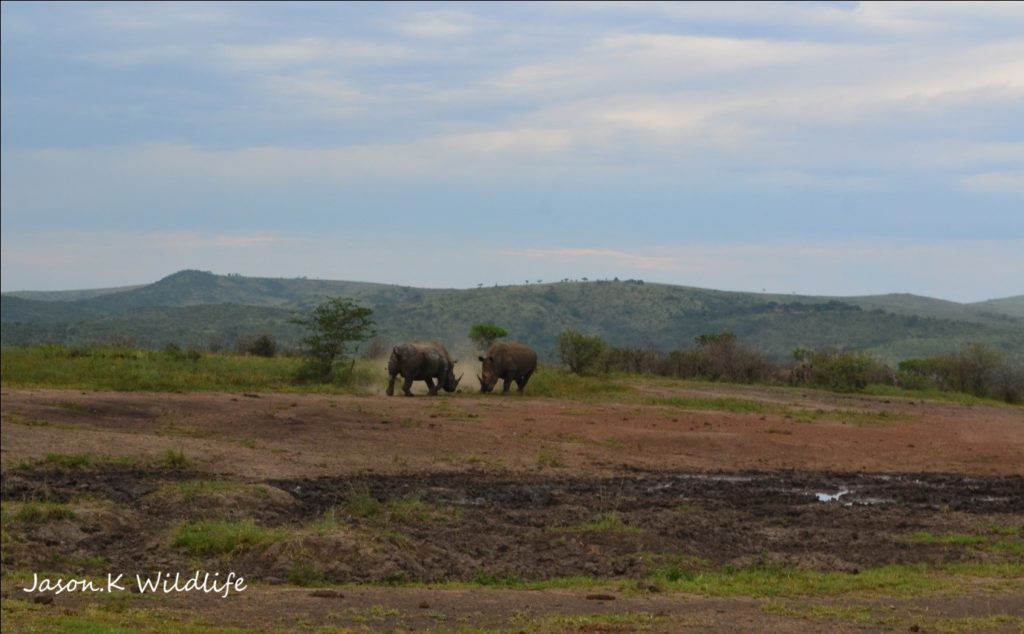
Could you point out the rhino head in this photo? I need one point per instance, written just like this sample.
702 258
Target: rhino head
490 376
450 382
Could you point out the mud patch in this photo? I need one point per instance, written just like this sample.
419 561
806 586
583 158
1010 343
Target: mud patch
485 527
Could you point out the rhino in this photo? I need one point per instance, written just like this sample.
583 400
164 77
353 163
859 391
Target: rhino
422 361
509 361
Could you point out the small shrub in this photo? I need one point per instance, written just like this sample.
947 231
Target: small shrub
306 575
256 345
581 353
175 459
360 502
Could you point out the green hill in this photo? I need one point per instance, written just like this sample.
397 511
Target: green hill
1012 306
203 309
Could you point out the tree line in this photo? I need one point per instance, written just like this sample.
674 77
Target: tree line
338 326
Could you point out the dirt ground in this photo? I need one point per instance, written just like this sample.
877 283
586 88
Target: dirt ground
480 489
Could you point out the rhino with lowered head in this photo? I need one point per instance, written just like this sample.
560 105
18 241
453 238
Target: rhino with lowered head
509 361
422 361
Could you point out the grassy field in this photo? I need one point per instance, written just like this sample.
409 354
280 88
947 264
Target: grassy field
130 370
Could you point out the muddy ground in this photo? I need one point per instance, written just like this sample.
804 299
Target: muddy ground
631 492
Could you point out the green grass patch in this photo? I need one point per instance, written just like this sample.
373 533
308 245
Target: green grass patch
22 616
554 382
174 459
35 512
190 490
895 581
935 395
214 537
67 461
360 502
605 523
999 542
129 370
306 574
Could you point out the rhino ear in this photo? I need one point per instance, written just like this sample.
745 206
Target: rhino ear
481 358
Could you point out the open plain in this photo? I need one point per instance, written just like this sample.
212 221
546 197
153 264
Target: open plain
655 506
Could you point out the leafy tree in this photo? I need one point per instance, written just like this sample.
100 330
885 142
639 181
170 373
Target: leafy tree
334 325
580 352
483 335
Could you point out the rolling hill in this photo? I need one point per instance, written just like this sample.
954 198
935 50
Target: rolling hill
202 309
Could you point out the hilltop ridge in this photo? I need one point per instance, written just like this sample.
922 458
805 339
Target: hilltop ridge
201 308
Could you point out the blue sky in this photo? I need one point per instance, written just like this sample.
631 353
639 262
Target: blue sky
824 148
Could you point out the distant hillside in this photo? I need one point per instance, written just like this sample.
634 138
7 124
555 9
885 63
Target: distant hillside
1012 306
69 296
198 308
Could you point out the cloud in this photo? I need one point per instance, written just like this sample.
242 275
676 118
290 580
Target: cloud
995 182
439 24
306 51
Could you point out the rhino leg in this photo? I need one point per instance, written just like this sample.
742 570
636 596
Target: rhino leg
432 389
521 381
506 383
391 385
407 387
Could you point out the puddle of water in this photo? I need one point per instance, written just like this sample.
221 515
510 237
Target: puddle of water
828 497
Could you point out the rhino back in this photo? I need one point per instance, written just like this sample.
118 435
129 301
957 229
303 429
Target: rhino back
422 359
513 356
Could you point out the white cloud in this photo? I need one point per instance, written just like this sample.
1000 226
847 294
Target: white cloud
439 24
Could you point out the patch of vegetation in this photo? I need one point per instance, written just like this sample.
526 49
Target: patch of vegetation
306 574
35 512
549 459
103 618
861 615
484 335
129 370
360 502
16 418
335 326
615 622
610 522
190 490
895 581
1001 542
68 461
558 383
175 459
215 537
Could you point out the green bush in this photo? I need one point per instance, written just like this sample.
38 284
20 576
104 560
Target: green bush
842 371
582 353
974 369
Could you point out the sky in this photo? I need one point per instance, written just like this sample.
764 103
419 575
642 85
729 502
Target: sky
811 148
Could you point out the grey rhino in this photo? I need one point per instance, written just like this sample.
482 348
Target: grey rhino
422 361
509 361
